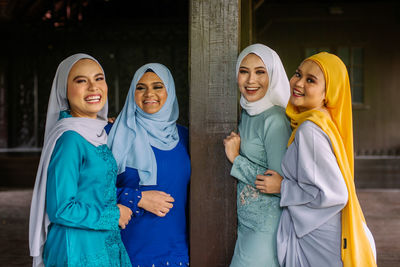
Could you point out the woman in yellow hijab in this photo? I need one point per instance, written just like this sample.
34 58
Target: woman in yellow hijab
322 223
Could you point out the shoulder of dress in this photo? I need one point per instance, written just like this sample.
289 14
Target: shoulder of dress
278 109
108 127
69 143
70 140
309 128
276 119
71 136
273 113
183 131
182 127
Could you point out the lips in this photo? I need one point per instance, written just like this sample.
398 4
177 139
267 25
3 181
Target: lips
150 102
251 90
93 99
297 93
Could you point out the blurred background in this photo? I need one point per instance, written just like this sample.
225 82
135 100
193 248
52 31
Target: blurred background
36 35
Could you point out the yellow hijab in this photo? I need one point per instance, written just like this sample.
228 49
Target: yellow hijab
339 128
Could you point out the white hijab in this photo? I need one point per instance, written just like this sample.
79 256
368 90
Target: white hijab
278 92
90 129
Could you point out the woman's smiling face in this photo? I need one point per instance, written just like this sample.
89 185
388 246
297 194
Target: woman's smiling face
150 93
307 87
253 78
86 89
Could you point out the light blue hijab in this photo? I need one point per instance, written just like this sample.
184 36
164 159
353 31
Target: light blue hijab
135 131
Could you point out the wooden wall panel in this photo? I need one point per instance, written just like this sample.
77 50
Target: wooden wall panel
3 107
213 49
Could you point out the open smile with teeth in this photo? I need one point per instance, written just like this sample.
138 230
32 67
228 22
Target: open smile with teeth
93 99
297 93
150 102
251 90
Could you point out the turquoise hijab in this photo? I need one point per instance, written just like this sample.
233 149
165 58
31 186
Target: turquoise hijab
135 131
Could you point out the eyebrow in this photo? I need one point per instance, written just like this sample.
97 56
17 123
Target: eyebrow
158 83
153 83
82 76
259 67
315 77
308 74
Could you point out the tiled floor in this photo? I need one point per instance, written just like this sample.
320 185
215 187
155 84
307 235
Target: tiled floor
382 212
14 225
381 208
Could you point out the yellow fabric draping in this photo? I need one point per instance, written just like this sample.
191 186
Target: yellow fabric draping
356 248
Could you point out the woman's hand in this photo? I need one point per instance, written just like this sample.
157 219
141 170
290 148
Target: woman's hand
232 146
111 120
269 183
156 202
125 214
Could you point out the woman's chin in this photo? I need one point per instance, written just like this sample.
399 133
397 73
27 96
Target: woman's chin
252 98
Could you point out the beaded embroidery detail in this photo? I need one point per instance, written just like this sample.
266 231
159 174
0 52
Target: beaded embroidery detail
255 210
111 211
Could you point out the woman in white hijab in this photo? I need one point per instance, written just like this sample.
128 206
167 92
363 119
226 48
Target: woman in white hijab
264 131
74 214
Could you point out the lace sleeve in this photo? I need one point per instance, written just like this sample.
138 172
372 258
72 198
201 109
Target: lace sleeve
245 170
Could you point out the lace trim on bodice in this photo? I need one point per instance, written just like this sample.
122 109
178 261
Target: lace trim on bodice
111 212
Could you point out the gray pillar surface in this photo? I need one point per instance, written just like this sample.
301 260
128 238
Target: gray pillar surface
214 42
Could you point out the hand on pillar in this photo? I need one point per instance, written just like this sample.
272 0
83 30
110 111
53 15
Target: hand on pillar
232 146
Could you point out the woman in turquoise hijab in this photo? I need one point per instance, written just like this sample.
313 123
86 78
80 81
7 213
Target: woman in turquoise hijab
74 213
151 151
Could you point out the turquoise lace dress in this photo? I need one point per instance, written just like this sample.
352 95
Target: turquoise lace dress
264 139
81 205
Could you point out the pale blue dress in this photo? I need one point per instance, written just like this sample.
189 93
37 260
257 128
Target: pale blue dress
81 205
264 139
313 194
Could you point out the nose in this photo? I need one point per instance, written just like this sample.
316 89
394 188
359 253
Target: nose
92 86
148 92
299 82
251 77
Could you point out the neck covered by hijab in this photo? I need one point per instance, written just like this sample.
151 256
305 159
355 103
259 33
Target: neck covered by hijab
90 129
278 92
135 131
358 248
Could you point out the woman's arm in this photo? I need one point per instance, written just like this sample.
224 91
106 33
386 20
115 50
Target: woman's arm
130 198
156 202
131 195
62 205
320 191
242 168
128 191
245 170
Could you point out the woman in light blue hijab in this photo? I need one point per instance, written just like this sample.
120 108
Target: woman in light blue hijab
151 151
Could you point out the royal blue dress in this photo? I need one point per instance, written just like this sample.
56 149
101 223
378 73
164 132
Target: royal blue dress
151 240
82 206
